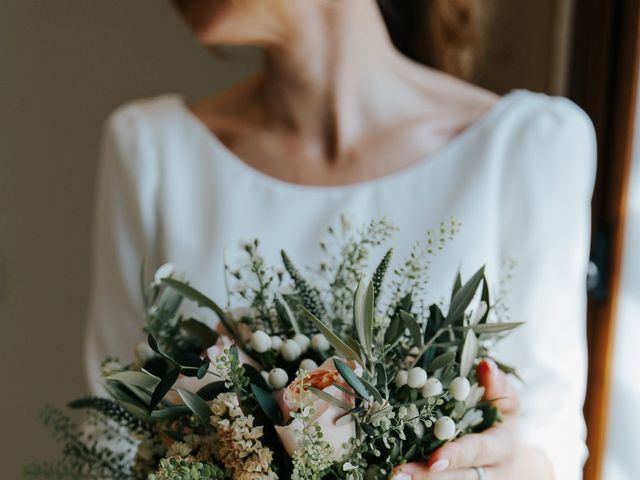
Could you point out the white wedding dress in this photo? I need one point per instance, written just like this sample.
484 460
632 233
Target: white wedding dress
519 180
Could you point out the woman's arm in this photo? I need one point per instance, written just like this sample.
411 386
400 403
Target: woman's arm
124 235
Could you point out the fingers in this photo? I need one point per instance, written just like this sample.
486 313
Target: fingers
419 471
490 447
497 387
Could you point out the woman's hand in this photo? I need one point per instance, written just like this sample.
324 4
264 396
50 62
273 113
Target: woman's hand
497 450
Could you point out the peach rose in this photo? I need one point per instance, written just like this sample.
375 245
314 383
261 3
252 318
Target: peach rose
193 384
325 414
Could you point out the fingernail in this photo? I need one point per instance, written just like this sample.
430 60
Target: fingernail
401 476
439 466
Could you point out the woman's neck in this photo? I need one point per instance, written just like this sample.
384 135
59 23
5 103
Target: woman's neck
338 75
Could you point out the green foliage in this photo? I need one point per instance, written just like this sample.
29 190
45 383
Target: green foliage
82 456
381 270
180 469
112 411
309 295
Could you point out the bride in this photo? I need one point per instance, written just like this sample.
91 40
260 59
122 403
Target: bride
359 109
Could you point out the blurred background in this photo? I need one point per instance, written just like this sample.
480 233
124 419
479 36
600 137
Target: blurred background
64 66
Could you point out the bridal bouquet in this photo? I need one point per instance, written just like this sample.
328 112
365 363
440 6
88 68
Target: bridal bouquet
323 374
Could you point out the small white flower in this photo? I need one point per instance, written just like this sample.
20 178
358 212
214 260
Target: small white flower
401 378
165 271
445 429
308 364
479 313
417 377
460 388
290 350
276 342
418 429
302 340
431 388
348 466
260 342
278 378
320 343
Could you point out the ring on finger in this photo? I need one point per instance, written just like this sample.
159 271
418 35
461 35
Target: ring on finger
482 474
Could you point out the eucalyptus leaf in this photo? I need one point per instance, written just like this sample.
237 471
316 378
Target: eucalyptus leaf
169 412
363 314
441 361
414 329
202 300
393 330
164 386
122 393
268 404
495 327
196 404
372 389
343 389
136 411
321 394
469 353
463 297
139 379
351 378
156 348
337 343
203 369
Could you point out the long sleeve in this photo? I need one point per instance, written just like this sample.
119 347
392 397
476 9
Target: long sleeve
546 197
125 222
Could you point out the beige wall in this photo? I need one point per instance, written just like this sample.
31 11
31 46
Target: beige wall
64 65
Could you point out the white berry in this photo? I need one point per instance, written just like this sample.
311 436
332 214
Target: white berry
260 342
308 364
290 350
417 377
445 428
460 388
401 378
302 340
431 388
278 378
320 343
276 342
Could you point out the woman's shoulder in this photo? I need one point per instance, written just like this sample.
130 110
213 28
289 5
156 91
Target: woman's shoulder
537 116
548 144
146 113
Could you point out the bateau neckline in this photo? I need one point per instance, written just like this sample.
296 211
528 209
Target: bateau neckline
456 142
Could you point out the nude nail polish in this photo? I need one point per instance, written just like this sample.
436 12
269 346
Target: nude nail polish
439 466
